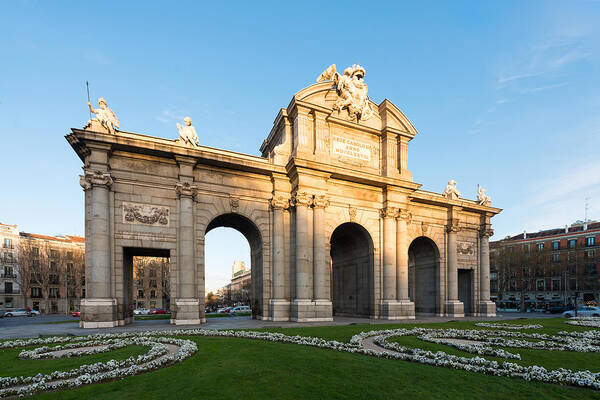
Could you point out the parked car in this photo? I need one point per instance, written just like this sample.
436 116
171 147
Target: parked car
76 313
560 309
224 310
141 311
241 310
2 313
583 312
158 311
22 312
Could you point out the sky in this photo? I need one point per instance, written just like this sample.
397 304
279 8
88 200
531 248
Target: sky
503 93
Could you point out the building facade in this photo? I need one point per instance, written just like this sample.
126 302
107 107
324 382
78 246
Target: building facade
553 267
10 290
151 282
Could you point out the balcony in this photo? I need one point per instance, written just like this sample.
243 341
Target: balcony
8 276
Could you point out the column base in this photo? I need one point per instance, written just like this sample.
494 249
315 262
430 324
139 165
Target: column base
188 312
311 310
98 313
487 309
394 309
280 310
454 308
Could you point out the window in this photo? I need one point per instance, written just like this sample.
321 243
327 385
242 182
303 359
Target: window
53 266
590 268
556 270
556 257
53 279
525 284
36 292
70 268
153 283
540 285
540 246
53 253
555 245
555 285
493 276
153 294
35 264
8 287
572 256
510 249
513 285
590 254
69 255
8 302
493 286
572 243
573 269
573 284
525 248
590 241
8 272
539 271
54 293
525 272
152 273
141 293
35 251
7 243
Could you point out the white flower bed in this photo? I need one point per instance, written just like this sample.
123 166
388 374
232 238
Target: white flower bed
497 325
158 356
593 322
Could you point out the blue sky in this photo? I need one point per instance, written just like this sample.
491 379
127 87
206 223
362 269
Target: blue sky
503 93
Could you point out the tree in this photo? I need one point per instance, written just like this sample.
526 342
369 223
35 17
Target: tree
25 262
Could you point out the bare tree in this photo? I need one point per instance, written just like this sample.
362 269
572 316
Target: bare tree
25 261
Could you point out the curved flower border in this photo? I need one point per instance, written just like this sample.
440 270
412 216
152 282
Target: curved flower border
158 356
497 325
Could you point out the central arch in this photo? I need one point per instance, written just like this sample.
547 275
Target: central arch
352 266
251 232
423 275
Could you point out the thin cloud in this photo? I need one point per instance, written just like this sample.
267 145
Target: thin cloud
542 88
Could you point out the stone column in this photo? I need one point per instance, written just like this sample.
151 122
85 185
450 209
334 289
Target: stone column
302 306
322 302
454 307
486 307
407 307
187 302
99 307
280 306
389 215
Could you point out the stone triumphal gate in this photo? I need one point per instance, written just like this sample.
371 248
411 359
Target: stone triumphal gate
335 223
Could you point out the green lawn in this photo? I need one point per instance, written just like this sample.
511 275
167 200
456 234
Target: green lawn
231 368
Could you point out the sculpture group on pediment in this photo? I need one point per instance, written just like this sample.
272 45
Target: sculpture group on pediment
451 192
105 117
351 90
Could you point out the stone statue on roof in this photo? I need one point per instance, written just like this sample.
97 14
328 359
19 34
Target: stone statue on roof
187 133
483 198
451 192
105 117
351 89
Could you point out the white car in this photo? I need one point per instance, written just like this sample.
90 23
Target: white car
583 311
141 311
240 310
21 312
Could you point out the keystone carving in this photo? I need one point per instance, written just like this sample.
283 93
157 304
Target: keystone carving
352 213
95 178
234 203
424 228
186 189
145 214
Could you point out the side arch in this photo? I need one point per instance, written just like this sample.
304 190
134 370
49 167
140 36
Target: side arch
352 253
424 275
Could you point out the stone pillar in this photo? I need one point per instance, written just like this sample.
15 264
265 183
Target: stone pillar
406 307
323 306
187 302
453 306
388 303
280 306
302 306
487 308
99 307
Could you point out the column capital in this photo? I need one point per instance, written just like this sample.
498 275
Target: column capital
485 231
389 212
95 178
279 202
186 189
404 215
302 199
320 201
453 228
